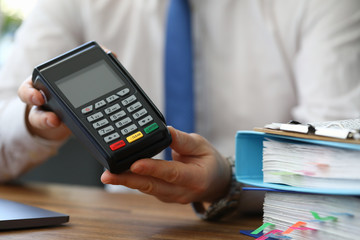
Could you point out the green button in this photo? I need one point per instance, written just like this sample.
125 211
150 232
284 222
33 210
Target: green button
151 128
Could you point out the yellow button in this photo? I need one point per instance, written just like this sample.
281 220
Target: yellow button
134 137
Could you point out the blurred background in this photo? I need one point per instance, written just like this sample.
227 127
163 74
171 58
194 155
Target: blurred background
12 13
73 164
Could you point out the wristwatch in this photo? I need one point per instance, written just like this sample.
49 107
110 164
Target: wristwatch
225 206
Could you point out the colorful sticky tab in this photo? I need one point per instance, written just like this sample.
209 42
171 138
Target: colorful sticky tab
282 173
294 226
328 218
343 214
277 236
266 236
249 233
307 173
320 165
262 227
303 228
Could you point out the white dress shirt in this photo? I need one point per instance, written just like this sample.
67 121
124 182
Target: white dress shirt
256 62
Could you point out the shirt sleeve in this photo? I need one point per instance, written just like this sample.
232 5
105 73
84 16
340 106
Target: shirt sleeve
19 151
327 62
45 33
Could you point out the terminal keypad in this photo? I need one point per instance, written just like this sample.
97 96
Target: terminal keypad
120 119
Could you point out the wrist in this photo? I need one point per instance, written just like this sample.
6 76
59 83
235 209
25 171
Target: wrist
227 205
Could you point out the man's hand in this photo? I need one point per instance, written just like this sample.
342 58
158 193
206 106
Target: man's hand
39 122
197 173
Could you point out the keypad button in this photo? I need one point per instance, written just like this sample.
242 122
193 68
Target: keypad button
139 114
100 104
118 115
112 109
128 100
129 129
123 92
111 137
145 120
100 123
87 109
134 137
117 145
95 116
112 98
134 107
123 122
106 130
151 128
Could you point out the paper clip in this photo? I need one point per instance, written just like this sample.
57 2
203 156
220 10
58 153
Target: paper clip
341 133
295 126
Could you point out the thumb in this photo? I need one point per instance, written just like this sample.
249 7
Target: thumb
187 143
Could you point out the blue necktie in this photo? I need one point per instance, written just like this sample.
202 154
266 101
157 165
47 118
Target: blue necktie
179 91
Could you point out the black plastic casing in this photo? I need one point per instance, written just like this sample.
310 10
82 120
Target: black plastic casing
44 78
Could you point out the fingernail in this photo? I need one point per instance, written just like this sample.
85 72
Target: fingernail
136 168
105 181
35 100
49 123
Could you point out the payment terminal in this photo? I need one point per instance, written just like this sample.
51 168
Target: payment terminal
104 107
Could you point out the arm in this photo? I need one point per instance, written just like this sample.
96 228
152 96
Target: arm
41 37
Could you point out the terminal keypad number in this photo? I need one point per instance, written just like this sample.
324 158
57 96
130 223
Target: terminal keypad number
116 112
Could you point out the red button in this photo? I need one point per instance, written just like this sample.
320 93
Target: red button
117 145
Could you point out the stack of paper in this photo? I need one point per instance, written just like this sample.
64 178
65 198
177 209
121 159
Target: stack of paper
312 179
312 216
309 165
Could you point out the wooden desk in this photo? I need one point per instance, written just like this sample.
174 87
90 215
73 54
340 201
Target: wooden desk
96 214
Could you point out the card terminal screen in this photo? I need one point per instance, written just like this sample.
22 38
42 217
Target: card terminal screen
89 83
